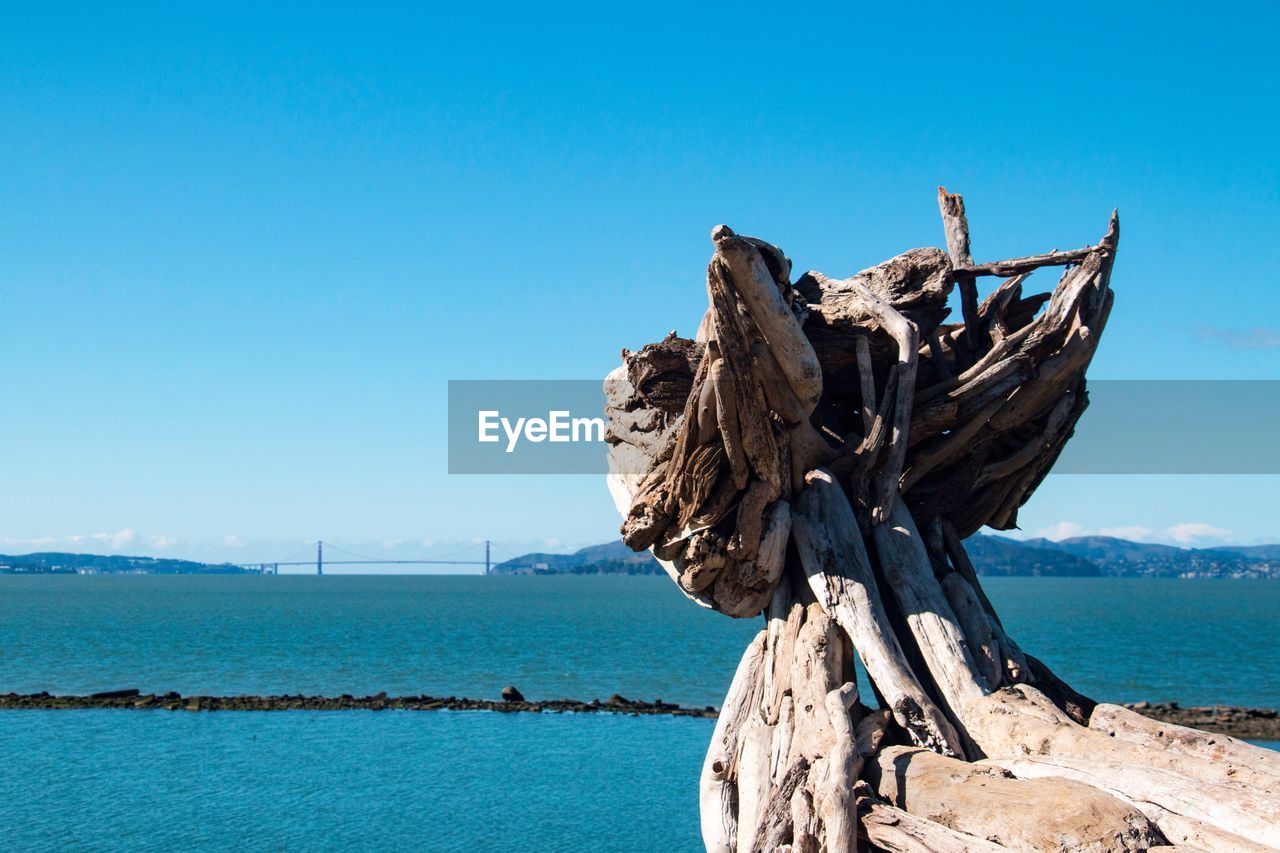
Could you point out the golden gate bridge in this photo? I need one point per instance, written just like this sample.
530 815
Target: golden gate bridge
350 558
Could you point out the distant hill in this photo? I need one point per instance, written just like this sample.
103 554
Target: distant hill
1123 558
611 558
1261 552
59 563
1001 556
1107 549
998 556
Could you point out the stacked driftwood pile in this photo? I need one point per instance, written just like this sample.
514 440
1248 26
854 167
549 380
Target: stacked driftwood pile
818 453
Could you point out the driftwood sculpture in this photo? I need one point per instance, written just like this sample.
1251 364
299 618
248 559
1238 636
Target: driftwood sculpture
818 454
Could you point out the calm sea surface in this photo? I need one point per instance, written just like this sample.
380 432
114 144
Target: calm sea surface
364 780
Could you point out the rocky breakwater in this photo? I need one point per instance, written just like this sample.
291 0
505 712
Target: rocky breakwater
1246 723
513 703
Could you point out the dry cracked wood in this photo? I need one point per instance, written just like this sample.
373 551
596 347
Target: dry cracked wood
1025 814
817 453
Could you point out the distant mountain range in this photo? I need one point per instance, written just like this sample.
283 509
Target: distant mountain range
52 563
1083 556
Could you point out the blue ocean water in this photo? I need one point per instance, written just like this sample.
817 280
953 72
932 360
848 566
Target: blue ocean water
552 637
117 780
436 780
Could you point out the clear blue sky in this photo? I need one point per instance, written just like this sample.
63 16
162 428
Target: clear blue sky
243 250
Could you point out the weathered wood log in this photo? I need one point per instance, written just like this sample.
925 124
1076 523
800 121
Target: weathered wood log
755 285
840 577
932 623
898 831
1121 723
818 453
1174 803
718 789
956 226
1021 723
788 740
1019 266
733 338
979 634
777 825
867 380
1024 814
834 798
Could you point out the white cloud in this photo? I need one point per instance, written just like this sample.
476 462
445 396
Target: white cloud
1187 534
389 544
1136 532
37 542
115 541
552 542
162 543
231 540
1190 532
1258 337
1062 530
